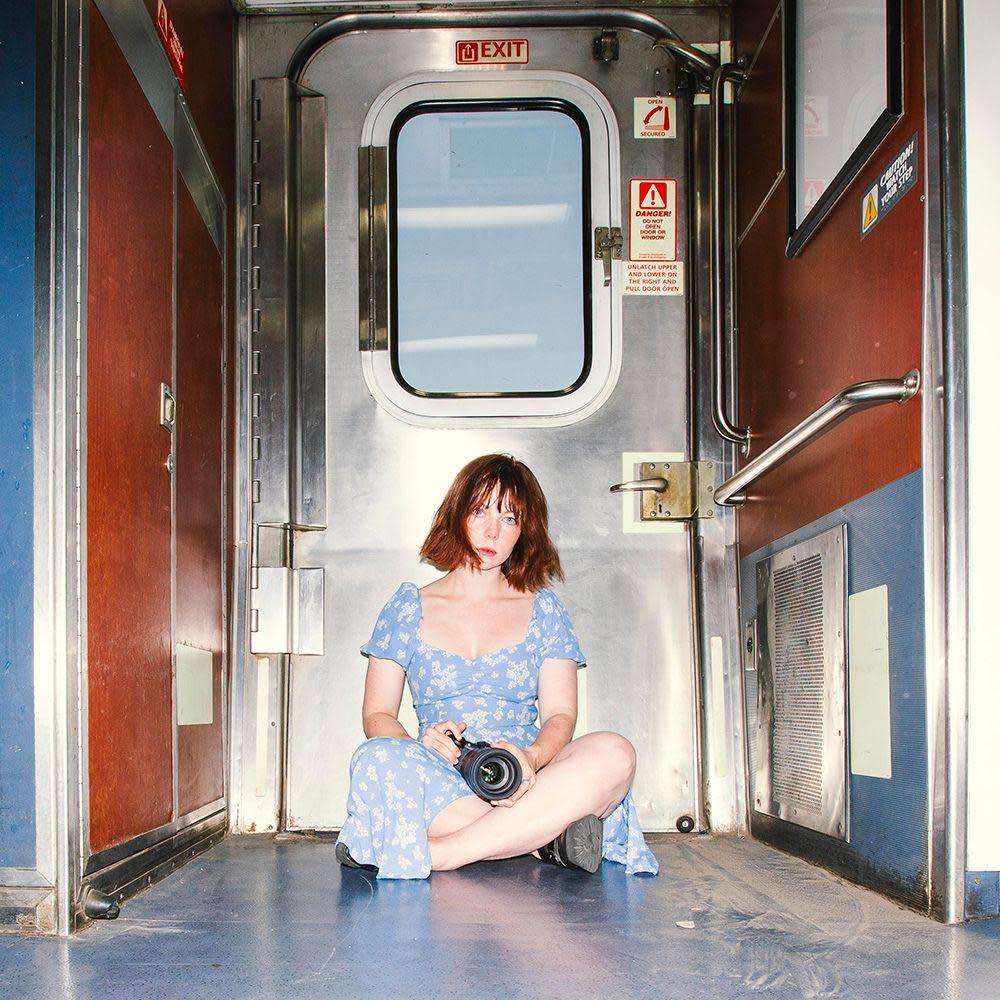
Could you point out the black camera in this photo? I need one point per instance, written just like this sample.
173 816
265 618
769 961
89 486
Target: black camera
491 772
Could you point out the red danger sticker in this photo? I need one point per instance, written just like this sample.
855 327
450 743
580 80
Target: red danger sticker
491 51
171 40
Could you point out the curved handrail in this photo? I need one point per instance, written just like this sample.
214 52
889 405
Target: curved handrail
850 400
562 17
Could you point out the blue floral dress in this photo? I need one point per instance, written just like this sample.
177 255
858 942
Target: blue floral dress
398 786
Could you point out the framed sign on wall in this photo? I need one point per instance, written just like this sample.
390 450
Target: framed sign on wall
843 93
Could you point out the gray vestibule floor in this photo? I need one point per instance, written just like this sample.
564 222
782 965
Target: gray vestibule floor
726 918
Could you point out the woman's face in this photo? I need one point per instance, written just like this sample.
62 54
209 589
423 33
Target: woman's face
493 531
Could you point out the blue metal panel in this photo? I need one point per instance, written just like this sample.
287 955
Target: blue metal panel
17 279
888 845
982 894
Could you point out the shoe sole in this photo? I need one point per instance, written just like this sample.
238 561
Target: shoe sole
343 855
585 843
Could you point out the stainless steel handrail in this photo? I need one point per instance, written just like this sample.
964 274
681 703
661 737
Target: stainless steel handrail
557 17
855 397
720 397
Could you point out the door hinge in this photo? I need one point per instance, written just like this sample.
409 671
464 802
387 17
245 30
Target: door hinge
607 246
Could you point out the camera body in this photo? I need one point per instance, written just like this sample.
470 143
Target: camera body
491 772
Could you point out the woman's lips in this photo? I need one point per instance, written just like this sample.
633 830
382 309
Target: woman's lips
488 552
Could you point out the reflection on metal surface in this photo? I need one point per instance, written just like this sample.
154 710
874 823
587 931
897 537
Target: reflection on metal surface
801 710
288 304
854 398
289 606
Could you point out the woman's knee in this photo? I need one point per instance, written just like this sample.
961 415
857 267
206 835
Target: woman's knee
618 754
379 750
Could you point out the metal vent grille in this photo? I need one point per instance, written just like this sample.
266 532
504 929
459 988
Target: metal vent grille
800 772
798 684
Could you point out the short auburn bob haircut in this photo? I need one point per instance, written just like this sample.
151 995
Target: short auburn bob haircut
534 562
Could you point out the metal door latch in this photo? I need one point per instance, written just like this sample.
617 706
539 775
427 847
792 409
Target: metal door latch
674 491
168 407
607 245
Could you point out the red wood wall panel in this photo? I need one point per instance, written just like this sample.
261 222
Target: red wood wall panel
845 310
198 452
207 31
129 265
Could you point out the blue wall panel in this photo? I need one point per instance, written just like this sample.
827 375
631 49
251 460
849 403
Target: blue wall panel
888 845
17 299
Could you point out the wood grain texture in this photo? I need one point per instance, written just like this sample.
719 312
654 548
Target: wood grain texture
198 453
844 311
129 265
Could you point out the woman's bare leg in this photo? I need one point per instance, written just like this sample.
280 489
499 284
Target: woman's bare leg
588 776
457 815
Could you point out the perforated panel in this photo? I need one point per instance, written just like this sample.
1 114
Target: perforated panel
798 684
801 706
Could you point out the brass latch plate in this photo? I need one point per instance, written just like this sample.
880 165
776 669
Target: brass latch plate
689 492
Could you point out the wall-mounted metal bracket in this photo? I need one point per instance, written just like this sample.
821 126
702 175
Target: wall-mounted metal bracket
607 246
606 46
674 491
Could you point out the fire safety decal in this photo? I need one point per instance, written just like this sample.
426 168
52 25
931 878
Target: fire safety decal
653 218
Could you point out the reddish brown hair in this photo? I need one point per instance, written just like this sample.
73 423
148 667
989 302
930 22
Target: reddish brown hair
534 562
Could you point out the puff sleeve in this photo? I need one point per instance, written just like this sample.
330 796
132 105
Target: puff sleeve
559 640
394 636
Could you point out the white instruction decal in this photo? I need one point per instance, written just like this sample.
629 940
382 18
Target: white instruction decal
653 218
655 117
650 277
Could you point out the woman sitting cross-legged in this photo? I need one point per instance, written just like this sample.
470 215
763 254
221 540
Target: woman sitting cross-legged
480 647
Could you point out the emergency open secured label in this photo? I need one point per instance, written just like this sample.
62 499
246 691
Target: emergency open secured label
654 117
652 218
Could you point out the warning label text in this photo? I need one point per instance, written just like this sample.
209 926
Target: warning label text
654 277
653 218
893 183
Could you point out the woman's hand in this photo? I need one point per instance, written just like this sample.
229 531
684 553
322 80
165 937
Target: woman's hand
527 773
436 737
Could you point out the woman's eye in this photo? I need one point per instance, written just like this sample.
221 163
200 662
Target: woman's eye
511 520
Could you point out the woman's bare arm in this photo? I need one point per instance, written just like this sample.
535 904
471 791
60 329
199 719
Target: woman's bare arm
556 710
383 695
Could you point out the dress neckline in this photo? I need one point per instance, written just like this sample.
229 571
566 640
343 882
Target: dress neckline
482 656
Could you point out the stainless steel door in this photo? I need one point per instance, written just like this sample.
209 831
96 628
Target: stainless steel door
629 593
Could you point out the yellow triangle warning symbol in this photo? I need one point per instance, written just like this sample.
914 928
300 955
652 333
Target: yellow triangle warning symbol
870 212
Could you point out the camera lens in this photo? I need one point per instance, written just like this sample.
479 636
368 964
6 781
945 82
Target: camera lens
494 773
